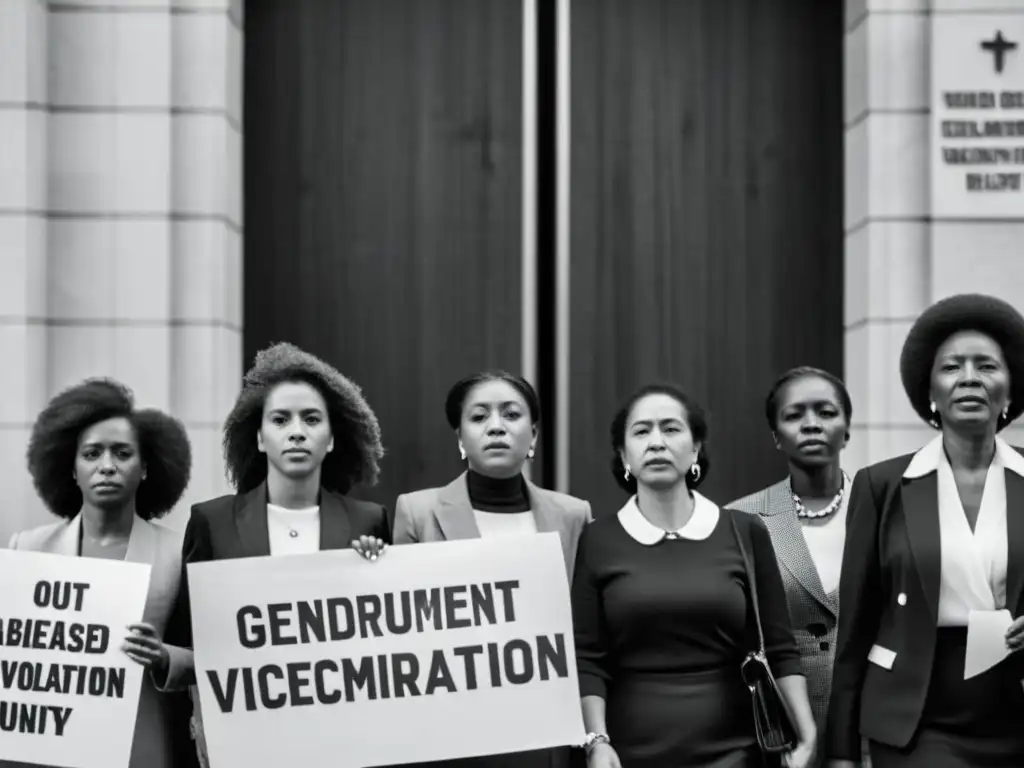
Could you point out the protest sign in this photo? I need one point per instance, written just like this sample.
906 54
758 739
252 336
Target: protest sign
68 694
434 651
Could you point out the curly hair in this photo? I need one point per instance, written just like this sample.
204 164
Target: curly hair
163 447
357 440
696 420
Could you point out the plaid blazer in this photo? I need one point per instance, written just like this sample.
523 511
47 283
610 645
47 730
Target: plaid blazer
814 614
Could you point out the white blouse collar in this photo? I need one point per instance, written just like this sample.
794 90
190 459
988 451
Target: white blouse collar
927 459
700 525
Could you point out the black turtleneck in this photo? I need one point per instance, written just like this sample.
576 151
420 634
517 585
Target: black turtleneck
497 494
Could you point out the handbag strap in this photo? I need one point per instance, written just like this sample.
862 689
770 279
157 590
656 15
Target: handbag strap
751 580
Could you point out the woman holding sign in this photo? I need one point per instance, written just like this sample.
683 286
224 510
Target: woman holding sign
109 471
298 438
663 612
494 416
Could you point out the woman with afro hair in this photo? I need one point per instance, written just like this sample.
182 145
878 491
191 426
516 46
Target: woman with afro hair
935 542
299 437
109 471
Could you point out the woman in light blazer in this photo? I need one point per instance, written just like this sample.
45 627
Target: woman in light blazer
110 471
495 418
809 412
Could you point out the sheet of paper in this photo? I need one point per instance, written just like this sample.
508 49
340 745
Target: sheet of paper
986 641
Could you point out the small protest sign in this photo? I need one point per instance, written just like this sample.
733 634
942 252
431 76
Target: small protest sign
68 694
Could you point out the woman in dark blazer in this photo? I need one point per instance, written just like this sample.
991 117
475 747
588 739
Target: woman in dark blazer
933 537
809 412
495 417
299 437
110 471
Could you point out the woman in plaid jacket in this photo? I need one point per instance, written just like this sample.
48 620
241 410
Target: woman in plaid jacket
809 412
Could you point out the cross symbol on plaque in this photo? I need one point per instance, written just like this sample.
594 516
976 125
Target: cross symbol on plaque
998 47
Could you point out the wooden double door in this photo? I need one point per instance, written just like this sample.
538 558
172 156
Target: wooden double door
598 193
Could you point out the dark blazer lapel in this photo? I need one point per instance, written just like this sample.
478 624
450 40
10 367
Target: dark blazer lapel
251 522
791 546
454 512
920 502
1015 541
335 527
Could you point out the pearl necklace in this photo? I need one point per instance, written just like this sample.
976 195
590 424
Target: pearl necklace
804 512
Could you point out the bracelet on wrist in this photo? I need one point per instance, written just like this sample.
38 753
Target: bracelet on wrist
593 739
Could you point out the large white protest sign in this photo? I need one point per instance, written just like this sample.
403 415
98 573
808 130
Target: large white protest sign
68 694
434 651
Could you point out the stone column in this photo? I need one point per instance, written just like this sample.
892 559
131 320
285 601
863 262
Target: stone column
23 247
901 257
136 270
977 228
888 228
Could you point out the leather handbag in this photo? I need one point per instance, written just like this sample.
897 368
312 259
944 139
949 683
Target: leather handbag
773 719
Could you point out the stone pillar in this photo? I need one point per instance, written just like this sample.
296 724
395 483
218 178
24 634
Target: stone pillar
899 257
888 231
23 247
977 240
135 269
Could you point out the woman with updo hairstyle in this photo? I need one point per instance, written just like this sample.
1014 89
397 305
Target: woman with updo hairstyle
808 411
661 606
934 547
109 471
299 438
495 418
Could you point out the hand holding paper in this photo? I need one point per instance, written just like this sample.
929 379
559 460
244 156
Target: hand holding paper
986 641
1015 635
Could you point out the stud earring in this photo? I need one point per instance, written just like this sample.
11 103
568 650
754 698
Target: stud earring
462 453
626 473
695 471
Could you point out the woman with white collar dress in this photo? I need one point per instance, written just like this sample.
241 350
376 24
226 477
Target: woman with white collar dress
933 538
662 612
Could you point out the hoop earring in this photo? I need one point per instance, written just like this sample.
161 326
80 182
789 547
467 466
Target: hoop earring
695 471
625 474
